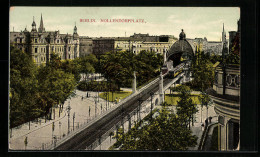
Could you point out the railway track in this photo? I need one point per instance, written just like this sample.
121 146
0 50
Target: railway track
85 138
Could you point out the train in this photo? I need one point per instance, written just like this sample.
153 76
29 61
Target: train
172 73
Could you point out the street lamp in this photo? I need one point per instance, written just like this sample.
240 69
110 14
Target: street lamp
151 94
60 128
68 110
89 111
95 99
73 120
53 126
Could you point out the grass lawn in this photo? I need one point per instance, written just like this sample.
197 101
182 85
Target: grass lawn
173 98
119 95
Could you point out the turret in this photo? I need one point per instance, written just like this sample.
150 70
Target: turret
34 26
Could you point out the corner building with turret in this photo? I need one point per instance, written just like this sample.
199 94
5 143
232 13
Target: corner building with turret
40 43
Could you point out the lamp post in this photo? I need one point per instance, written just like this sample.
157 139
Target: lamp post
95 99
53 126
60 128
73 120
68 110
89 111
151 94
59 108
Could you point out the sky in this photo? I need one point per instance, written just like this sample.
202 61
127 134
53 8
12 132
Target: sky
197 22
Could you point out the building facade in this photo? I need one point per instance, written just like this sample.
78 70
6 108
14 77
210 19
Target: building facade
40 44
103 45
135 43
225 95
85 46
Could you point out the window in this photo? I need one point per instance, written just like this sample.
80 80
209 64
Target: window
58 41
35 40
35 49
21 40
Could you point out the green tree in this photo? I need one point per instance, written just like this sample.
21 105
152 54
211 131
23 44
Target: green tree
114 69
203 72
72 66
163 133
204 99
23 88
185 107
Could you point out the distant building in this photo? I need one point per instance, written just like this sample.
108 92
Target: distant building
39 44
135 43
103 45
211 47
85 46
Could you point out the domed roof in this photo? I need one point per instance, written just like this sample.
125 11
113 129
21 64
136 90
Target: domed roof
182 35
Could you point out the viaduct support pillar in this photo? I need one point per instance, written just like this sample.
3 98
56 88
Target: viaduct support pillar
161 93
134 84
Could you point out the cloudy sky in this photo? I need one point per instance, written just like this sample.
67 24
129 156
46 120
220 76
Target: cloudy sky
196 21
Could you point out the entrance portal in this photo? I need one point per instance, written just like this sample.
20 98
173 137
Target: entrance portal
176 58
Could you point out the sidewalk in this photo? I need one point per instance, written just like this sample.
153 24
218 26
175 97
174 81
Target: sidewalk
40 135
197 129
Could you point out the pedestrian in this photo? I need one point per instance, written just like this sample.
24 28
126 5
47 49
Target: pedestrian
206 122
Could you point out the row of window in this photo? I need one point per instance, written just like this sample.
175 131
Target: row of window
42 49
40 59
19 40
42 41
57 49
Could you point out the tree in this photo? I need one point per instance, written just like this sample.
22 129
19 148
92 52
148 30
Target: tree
185 107
114 69
163 133
72 66
204 99
55 86
23 88
203 72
